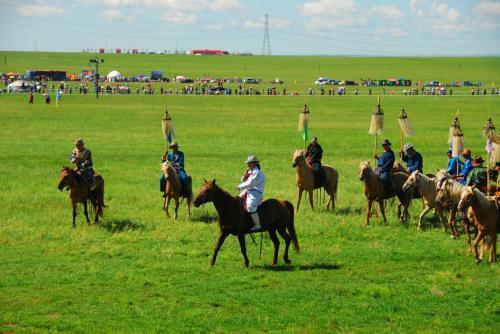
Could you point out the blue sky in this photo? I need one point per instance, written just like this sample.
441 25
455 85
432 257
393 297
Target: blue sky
316 27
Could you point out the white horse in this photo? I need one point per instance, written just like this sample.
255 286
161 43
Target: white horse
427 188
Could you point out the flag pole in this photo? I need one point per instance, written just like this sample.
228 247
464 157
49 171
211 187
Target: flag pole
376 125
489 133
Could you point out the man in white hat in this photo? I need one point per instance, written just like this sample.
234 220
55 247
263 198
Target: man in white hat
252 189
412 158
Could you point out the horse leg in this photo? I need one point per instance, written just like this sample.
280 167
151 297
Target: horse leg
276 244
368 212
382 210
311 199
176 207
86 212
299 198
422 215
74 213
222 237
166 206
479 237
439 212
451 223
243 246
493 247
466 227
287 238
189 208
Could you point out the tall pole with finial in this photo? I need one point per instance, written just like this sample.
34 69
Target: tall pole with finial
456 139
167 127
304 124
404 124
376 125
489 133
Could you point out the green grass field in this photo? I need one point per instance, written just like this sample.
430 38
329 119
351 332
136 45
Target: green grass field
137 272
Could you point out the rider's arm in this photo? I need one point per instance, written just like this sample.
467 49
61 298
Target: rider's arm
250 182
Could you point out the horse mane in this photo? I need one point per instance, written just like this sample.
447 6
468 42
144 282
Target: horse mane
455 190
483 201
79 178
223 192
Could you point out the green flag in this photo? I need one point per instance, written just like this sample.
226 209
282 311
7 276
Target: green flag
305 133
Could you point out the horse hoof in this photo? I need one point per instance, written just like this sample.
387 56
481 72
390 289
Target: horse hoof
478 261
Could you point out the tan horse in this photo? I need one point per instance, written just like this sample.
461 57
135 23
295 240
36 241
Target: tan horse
173 190
448 196
305 180
486 219
373 191
79 192
427 188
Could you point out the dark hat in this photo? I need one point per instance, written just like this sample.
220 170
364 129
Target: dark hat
450 151
174 144
386 142
478 161
314 138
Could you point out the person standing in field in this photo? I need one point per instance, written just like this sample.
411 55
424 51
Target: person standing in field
384 166
252 189
31 98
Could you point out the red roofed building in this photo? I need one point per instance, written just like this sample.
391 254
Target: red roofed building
206 52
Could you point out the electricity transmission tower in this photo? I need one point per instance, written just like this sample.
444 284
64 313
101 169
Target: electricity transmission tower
266 45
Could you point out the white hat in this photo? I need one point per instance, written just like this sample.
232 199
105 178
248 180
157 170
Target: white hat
407 146
252 158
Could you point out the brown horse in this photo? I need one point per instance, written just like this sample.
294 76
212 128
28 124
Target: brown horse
275 216
373 191
173 190
448 195
305 180
79 192
486 219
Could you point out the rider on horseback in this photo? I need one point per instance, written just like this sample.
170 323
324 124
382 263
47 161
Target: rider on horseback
314 154
82 158
176 160
412 158
384 167
252 189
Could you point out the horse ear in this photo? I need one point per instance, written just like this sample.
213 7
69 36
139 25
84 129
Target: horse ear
368 162
205 180
213 181
473 186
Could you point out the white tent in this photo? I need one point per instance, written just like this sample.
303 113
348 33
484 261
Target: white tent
113 76
19 86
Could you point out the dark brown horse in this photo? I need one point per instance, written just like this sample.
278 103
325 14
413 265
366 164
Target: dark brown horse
275 216
79 192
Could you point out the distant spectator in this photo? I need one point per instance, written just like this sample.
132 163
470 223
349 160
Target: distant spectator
31 98
47 98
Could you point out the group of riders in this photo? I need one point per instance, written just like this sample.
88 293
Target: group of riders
470 171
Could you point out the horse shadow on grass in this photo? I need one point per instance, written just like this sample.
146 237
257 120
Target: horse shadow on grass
350 211
205 217
120 225
302 267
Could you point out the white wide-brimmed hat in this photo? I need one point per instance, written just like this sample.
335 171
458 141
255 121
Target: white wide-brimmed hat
252 158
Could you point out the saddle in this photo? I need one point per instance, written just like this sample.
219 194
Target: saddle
249 220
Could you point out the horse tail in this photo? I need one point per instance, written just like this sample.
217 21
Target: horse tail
335 187
100 198
291 227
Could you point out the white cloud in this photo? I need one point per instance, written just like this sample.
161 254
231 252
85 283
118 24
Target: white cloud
39 9
328 14
193 6
488 7
214 27
274 22
389 12
115 15
328 8
180 17
444 12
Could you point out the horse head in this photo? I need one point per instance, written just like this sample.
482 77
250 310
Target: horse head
411 181
298 158
441 177
364 167
442 195
206 193
64 177
465 198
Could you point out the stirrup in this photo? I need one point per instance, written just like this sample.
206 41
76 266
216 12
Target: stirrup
255 229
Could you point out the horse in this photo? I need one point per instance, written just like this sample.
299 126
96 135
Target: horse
79 192
448 196
373 191
173 190
275 215
486 219
426 186
305 180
